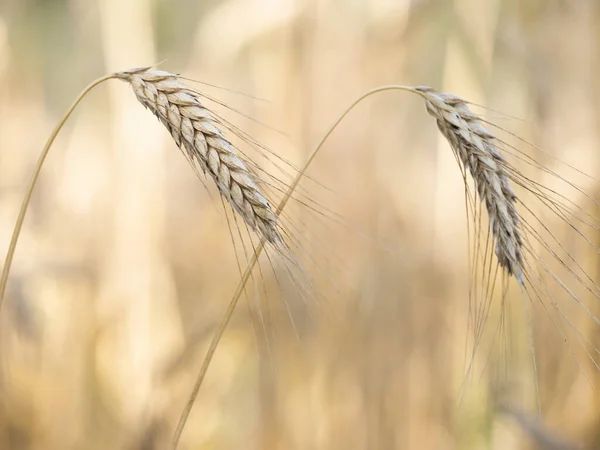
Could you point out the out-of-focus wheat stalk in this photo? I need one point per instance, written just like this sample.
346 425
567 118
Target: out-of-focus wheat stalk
540 434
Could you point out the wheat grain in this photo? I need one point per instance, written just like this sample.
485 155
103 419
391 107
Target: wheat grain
475 147
195 130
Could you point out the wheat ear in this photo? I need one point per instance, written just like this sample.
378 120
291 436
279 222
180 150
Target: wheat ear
474 144
196 131
475 147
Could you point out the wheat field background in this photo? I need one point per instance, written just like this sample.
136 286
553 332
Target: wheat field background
126 264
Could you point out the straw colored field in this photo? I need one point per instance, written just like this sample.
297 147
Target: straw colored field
126 262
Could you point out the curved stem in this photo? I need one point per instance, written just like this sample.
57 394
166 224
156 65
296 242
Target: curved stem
24 206
240 288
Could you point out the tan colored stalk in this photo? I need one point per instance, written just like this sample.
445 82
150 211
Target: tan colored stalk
465 134
36 172
475 148
195 130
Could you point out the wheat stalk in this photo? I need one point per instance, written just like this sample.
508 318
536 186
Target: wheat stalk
475 147
36 173
195 130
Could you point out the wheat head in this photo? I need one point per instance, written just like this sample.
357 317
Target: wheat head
195 130
475 147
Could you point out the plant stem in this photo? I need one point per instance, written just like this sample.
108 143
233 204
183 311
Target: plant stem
24 206
240 288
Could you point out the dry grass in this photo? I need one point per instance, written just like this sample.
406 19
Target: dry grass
125 262
197 132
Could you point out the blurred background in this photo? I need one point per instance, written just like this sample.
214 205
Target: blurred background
126 265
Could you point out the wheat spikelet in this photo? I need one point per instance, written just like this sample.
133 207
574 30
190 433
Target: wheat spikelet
195 130
474 146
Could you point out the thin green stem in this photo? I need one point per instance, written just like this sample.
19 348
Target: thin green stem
25 205
240 288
